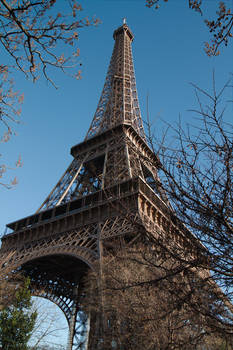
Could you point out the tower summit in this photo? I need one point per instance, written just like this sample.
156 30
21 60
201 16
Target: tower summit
119 101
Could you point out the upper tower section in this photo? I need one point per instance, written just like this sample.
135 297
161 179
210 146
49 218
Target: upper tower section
118 103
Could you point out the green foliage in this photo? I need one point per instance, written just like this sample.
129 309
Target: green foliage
17 320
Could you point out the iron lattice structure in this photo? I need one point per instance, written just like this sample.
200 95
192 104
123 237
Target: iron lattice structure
110 188
119 101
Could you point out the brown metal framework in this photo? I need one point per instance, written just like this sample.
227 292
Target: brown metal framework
109 191
119 102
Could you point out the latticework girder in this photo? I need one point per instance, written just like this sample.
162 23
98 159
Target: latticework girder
119 102
115 159
65 187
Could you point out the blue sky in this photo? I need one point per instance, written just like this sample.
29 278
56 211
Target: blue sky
168 55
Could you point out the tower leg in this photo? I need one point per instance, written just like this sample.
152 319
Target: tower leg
78 329
72 326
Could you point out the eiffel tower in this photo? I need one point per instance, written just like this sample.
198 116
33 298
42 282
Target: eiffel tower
113 168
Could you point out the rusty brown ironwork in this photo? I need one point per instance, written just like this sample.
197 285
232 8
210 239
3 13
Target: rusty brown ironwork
110 190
